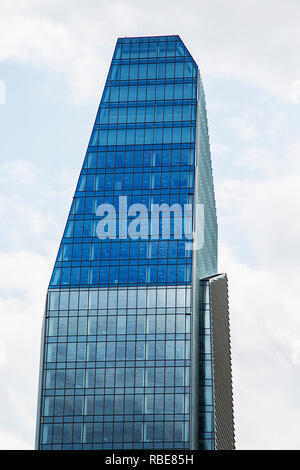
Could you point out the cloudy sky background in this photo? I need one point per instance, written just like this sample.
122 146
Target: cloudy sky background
54 57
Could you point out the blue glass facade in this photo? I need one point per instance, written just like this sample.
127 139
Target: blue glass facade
142 147
115 368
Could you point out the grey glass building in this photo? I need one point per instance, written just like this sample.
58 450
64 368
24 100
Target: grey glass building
135 342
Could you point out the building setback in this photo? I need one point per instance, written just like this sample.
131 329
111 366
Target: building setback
135 341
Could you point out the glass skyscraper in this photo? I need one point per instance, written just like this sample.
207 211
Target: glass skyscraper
135 342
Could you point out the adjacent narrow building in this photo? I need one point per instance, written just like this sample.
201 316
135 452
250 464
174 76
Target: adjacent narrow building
135 342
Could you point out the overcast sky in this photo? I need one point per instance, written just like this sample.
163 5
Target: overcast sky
54 58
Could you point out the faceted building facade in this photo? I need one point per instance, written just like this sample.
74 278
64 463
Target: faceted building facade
135 341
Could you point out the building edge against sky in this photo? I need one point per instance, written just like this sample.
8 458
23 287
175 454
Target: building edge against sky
135 342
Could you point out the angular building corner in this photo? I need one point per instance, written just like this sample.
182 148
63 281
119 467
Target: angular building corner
213 341
135 342
221 353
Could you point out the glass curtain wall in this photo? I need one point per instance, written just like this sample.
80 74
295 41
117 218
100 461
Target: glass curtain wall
116 345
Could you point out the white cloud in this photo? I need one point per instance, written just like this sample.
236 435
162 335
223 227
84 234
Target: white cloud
10 440
260 217
31 227
246 130
265 332
14 274
248 40
76 39
266 211
23 279
3 355
28 221
260 159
